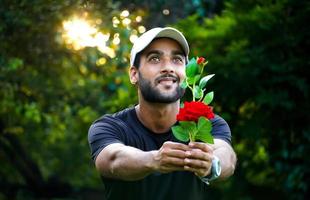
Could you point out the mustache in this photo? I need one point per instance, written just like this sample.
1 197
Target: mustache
175 78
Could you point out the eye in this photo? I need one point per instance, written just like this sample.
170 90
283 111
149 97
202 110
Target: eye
178 60
154 59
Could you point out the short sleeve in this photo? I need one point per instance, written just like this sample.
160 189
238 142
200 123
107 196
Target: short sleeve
102 133
220 129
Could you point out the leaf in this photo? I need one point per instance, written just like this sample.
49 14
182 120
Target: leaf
192 80
189 128
198 92
184 84
204 124
192 68
205 137
197 77
204 130
208 98
188 125
180 133
204 80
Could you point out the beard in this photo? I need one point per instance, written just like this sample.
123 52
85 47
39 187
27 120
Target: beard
153 95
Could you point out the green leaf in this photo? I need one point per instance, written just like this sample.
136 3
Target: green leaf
184 84
188 125
197 77
208 98
198 92
192 68
204 124
204 131
180 133
205 137
190 128
204 80
192 80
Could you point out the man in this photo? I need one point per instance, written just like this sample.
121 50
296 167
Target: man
135 151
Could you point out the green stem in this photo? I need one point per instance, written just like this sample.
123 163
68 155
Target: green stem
191 90
191 139
188 84
192 136
193 93
203 66
202 96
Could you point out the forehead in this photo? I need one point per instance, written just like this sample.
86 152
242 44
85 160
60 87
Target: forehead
164 44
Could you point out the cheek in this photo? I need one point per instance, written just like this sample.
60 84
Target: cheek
182 74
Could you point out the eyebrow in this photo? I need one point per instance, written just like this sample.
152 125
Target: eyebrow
174 52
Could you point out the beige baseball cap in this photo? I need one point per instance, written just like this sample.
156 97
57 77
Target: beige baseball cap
146 38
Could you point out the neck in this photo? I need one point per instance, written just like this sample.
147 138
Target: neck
158 117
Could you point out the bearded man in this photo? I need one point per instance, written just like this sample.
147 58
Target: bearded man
134 149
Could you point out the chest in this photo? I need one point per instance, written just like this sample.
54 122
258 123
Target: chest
141 138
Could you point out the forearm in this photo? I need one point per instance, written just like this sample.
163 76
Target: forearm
124 162
227 157
128 163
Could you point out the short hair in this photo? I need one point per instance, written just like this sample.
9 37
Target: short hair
136 62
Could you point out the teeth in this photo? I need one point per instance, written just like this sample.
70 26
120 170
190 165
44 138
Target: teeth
167 79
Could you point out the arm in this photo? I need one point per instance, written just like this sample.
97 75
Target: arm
128 163
227 157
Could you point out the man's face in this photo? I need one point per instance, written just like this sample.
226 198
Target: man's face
162 69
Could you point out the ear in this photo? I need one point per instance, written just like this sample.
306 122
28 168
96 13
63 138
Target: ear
133 75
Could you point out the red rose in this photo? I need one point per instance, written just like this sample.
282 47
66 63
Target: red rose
193 110
200 60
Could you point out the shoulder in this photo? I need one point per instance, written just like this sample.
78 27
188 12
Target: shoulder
112 123
108 129
118 118
218 120
120 115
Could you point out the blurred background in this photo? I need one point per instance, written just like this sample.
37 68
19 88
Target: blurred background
64 63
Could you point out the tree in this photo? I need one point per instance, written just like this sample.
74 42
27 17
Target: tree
257 49
50 94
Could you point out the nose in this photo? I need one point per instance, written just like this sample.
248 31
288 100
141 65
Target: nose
167 67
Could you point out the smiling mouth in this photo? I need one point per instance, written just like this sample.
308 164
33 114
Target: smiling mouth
173 80
167 79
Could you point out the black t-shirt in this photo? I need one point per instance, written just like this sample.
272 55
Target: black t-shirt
124 127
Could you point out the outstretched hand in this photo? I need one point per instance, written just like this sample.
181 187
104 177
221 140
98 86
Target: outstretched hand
199 159
195 157
171 157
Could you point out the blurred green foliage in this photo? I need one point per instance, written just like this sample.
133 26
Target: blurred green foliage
258 51
50 93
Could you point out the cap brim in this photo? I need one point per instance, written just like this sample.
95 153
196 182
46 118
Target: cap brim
144 40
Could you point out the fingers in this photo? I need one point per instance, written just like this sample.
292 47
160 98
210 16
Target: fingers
173 150
175 153
201 172
200 145
199 167
199 155
195 157
176 145
199 159
165 168
170 157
